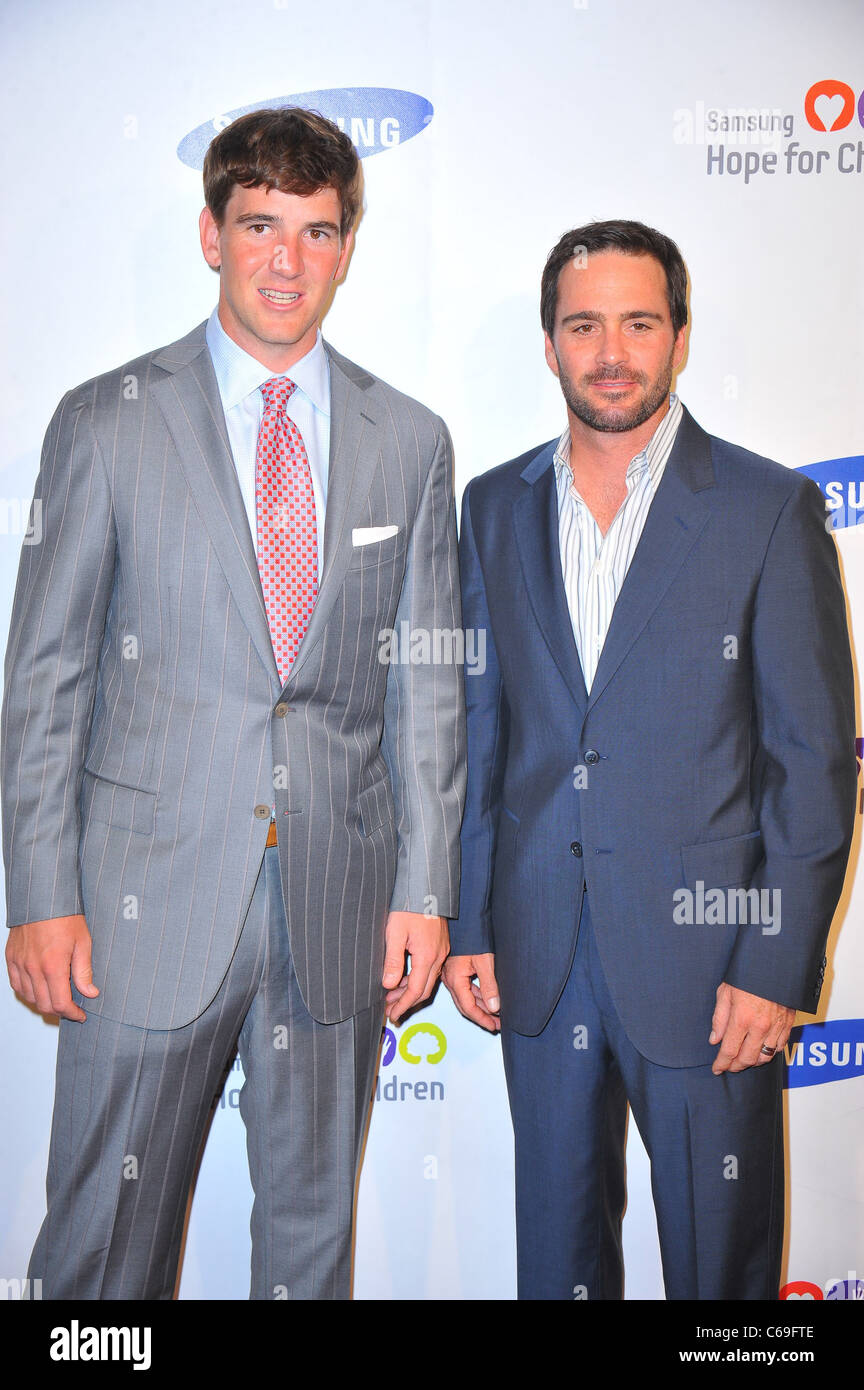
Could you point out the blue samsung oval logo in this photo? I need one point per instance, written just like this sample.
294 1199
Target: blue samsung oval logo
847 1288
376 118
842 482
820 1052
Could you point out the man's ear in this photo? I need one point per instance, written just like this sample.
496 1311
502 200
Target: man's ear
680 347
208 228
344 256
551 358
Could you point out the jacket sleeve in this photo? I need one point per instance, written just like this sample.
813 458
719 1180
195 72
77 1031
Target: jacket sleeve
423 742
487 714
804 764
65 581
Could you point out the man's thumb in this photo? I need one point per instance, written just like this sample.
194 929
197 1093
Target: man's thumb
394 963
82 971
488 987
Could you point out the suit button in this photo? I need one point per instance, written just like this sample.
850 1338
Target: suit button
576 849
592 757
262 812
282 709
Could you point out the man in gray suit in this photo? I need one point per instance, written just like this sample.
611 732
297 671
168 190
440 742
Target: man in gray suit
225 816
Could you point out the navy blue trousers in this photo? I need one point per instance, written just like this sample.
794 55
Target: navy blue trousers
715 1144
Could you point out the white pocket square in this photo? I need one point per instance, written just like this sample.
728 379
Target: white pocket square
367 535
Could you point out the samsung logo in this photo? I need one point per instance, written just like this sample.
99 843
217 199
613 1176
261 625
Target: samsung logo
375 118
842 482
820 1052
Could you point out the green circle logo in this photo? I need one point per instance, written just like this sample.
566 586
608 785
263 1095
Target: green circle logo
414 1057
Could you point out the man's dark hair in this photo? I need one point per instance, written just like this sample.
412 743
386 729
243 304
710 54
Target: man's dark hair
631 239
288 148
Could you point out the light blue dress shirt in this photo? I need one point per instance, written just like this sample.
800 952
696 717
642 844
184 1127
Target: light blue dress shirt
239 378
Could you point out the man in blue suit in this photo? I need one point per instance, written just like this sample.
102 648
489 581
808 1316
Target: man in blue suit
661 793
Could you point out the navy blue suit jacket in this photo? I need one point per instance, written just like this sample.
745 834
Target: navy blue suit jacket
725 763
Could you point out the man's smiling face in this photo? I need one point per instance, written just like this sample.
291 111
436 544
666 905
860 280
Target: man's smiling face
278 256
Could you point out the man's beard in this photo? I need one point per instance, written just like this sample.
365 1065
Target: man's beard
612 419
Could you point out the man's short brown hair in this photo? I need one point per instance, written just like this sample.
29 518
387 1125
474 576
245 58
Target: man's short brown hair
287 148
630 239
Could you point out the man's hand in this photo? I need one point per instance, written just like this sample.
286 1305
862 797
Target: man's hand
41 957
479 1001
743 1023
427 941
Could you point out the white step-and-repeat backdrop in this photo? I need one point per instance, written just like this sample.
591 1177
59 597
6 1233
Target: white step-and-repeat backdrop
488 127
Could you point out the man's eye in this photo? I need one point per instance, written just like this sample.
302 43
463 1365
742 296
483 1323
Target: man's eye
318 234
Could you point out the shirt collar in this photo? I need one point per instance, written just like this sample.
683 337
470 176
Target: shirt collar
653 457
238 374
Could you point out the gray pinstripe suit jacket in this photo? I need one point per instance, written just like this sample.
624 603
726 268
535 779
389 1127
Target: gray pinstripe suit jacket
145 727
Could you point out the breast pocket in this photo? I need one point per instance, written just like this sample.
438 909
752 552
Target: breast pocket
374 553
114 803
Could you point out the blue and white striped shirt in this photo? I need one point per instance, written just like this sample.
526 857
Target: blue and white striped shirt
595 566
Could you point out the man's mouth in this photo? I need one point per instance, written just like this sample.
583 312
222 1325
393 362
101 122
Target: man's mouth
611 382
280 296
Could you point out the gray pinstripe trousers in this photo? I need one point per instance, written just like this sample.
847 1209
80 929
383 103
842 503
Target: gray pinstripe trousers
132 1105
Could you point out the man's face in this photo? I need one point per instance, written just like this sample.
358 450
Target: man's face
613 348
278 255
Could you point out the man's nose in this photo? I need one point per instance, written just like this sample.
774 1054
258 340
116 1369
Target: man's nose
286 256
613 345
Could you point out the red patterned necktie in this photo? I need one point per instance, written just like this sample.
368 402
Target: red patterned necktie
287 529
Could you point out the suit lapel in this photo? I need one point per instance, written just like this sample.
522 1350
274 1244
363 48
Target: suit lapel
535 521
189 400
675 519
354 455
190 403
